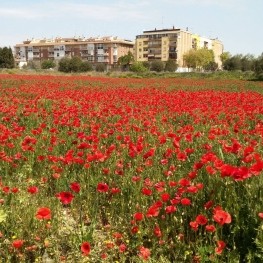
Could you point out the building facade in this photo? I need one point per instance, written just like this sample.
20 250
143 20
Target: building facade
105 50
172 44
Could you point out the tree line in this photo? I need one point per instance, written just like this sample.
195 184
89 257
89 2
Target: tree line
197 59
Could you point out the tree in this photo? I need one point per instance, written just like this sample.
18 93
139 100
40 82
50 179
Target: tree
190 59
233 63
126 60
75 64
259 67
157 65
170 66
85 66
6 58
48 64
100 67
247 62
204 58
224 57
138 67
64 65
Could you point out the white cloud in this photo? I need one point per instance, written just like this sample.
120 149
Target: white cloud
21 13
120 10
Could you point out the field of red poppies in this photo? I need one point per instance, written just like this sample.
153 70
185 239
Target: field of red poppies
97 169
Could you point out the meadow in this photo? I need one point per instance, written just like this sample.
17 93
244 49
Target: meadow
101 169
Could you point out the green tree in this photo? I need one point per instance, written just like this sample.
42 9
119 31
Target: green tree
204 58
224 57
157 65
75 64
190 59
170 66
259 67
6 58
138 67
247 62
100 67
64 65
126 60
85 66
233 63
47 64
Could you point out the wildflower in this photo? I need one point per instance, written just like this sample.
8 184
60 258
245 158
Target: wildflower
221 217
144 253
102 187
201 220
18 243
210 228
65 197
138 216
32 189
43 213
220 247
75 187
85 248
185 201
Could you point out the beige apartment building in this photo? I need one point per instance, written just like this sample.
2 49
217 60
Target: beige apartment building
172 44
105 50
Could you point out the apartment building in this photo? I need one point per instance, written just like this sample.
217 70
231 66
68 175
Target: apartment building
172 44
105 50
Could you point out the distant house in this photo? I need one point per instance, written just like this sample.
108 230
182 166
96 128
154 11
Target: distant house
172 44
105 50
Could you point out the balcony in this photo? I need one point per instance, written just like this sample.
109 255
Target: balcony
83 48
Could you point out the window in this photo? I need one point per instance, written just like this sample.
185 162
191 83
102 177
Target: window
57 54
140 50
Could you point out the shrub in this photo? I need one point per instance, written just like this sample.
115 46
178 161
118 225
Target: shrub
85 66
138 67
75 64
64 65
157 66
170 66
47 64
100 67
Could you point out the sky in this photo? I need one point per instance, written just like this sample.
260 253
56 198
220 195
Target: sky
237 23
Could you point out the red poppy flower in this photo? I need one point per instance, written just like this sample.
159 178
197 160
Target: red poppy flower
18 243
138 216
65 197
260 215
43 213
170 209
210 228
201 220
220 247
194 225
157 231
165 197
85 248
102 187
144 253
122 248
32 189
221 217
75 187
185 201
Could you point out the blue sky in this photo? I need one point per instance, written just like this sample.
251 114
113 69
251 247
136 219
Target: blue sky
237 23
